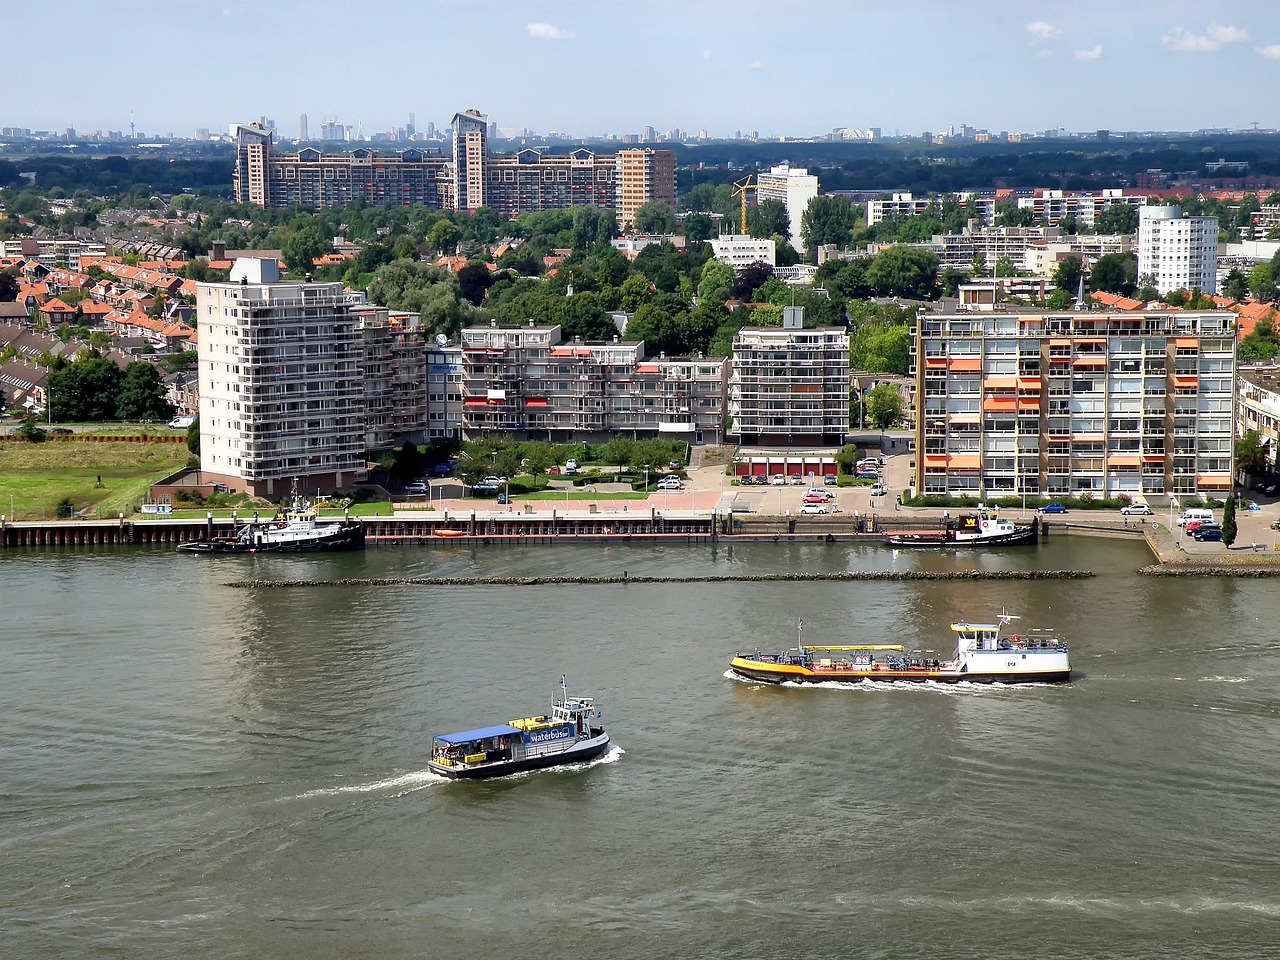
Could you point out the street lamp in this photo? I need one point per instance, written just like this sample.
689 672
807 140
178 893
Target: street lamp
646 479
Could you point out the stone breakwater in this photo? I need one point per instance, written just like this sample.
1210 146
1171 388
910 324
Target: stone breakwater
1229 565
625 579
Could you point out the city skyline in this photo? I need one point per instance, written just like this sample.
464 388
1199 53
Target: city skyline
820 65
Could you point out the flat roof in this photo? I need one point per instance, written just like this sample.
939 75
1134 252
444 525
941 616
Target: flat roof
480 733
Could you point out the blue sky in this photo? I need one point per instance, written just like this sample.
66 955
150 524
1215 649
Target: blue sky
586 67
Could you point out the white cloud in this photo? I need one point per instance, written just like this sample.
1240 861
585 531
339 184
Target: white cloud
1044 54
1182 40
707 54
1223 34
1271 52
756 64
1042 32
1094 53
547 31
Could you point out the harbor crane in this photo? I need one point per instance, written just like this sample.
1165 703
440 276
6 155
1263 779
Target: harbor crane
740 189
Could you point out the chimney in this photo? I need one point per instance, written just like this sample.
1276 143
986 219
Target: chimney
569 290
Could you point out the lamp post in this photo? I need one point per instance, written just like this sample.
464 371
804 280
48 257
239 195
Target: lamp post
646 479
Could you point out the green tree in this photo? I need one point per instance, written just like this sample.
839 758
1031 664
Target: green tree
619 450
85 390
716 281
1114 273
826 220
304 245
950 281
1262 284
444 236
9 286
422 288
1251 454
1229 530
1235 285
698 226
1059 300
654 217
885 405
1067 275
769 218
1009 214
142 394
1117 218
1261 343
474 280
905 272
193 437
878 347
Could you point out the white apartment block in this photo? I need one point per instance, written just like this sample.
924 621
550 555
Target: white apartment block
1177 252
531 383
1049 206
281 395
794 186
741 251
790 385
1068 403
1041 258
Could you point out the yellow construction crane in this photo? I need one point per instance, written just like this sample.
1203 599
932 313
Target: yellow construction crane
740 189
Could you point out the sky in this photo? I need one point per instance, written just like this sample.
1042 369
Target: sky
589 67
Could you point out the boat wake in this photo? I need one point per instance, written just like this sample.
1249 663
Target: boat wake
410 782
612 755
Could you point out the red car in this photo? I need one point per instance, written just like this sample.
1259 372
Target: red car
1194 525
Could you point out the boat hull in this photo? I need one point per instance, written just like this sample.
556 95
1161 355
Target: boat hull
581 752
1017 538
346 538
794 673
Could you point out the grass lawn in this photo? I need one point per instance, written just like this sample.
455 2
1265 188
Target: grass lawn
34 477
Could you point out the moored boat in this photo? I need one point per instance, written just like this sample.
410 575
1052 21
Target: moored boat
298 529
572 733
985 653
985 528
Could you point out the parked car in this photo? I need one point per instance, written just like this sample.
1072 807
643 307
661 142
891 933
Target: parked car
181 423
570 465
779 479
814 508
670 483
819 492
502 498
877 490
417 487
1251 505
809 498
1193 525
674 465
1269 489
1051 508
1136 510
795 480
830 479
1205 534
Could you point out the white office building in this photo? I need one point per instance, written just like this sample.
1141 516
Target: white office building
742 251
794 186
281 395
1177 252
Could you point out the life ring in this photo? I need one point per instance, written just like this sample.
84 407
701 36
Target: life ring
1015 638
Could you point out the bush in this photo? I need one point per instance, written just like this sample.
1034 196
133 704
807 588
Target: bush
65 508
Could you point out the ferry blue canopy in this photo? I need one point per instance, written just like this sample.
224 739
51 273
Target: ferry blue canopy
484 733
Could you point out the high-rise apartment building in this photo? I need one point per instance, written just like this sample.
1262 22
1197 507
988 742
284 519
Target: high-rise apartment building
1065 404
302 127
281 392
312 178
470 150
467 179
790 384
1177 252
530 382
794 186
643 176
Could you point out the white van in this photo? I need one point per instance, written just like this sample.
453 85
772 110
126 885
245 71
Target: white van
181 423
1195 513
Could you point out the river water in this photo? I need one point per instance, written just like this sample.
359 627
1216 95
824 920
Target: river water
191 769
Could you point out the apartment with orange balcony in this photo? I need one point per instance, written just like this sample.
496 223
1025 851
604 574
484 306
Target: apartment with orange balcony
1060 404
